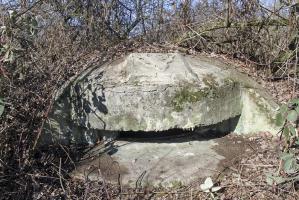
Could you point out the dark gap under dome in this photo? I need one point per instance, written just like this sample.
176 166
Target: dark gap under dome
198 133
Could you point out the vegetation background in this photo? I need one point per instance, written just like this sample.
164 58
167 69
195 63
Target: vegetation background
45 42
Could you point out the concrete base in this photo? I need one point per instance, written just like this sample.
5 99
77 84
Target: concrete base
167 163
163 161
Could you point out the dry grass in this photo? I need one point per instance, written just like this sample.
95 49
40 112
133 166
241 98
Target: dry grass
59 52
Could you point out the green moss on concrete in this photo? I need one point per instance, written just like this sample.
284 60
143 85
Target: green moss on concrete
186 95
230 82
210 81
176 184
136 82
192 93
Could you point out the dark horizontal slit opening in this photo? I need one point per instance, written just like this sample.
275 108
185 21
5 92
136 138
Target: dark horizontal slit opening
198 133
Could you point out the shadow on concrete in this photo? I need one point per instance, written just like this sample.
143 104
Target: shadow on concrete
180 135
170 136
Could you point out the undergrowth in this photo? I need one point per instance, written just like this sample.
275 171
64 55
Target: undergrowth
45 43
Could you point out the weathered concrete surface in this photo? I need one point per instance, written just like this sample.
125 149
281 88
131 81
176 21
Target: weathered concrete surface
156 92
167 162
158 163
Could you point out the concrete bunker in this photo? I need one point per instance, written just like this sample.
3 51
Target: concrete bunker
174 108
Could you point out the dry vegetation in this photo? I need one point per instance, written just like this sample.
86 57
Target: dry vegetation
45 42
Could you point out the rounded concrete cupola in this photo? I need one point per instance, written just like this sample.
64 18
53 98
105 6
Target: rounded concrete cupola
154 95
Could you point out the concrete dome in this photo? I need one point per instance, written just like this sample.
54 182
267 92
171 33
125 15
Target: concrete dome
158 92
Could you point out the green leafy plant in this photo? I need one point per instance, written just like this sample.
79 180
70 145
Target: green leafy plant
287 117
290 167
